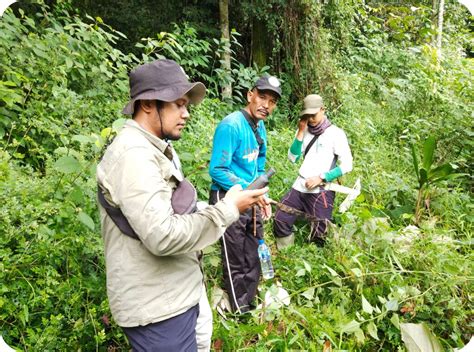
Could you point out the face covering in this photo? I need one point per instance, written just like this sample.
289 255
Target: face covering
319 128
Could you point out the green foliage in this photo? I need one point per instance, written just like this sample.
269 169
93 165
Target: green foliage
63 83
405 24
392 98
195 145
53 293
427 175
139 19
355 293
183 46
201 60
59 76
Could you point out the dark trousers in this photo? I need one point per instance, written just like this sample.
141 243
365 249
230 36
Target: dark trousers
172 335
239 254
319 205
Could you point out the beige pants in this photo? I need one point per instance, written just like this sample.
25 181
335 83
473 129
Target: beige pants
204 323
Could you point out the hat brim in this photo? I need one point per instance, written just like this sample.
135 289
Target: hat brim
195 91
311 111
271 89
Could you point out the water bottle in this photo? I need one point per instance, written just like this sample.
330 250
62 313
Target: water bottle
262 180
265 260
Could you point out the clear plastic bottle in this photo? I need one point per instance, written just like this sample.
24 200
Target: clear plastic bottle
265 260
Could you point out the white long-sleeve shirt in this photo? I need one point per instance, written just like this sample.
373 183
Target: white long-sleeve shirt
321 156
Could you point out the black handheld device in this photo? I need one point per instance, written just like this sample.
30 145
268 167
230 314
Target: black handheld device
262 180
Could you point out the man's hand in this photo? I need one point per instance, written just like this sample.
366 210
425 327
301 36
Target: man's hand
266 212
313 182
247 198
302 125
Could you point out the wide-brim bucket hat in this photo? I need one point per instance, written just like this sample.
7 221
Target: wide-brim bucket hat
312 104
163 80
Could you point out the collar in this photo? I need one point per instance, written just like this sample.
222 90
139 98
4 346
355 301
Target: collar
253 125
160 144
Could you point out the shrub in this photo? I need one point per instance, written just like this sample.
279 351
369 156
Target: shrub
59 76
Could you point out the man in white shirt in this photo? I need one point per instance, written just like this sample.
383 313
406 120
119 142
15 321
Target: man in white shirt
327 156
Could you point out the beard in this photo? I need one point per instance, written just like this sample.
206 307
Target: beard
173 137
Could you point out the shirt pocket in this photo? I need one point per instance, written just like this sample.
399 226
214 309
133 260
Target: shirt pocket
322 147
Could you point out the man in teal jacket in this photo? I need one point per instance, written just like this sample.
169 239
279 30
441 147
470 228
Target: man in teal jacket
238 157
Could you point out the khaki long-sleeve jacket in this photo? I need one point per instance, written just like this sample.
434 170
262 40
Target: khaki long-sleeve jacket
159 276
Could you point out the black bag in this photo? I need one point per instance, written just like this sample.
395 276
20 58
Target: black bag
184 198
183 201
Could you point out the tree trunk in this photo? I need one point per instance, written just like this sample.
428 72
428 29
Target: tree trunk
439 36
225 37
259 43
437 19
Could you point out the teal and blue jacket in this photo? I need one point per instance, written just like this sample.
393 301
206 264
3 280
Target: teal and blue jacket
236 157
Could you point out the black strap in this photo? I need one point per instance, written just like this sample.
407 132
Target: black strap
253 125
310 145
116 215
124 226
183 201
184 205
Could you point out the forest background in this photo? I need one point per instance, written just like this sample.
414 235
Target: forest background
397 76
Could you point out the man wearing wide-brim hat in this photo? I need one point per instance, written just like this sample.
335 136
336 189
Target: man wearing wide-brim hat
154 282
327 156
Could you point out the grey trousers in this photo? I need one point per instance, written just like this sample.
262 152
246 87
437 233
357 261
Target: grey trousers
319 205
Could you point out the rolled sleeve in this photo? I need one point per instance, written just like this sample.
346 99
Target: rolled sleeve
294 153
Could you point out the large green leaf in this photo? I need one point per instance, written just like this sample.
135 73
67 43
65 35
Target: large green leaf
423 177
67 164
428 152
86 220
350 327
392 305
186 157
415 162
372 330
83 139
366 306
440 173
309 293
418 338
